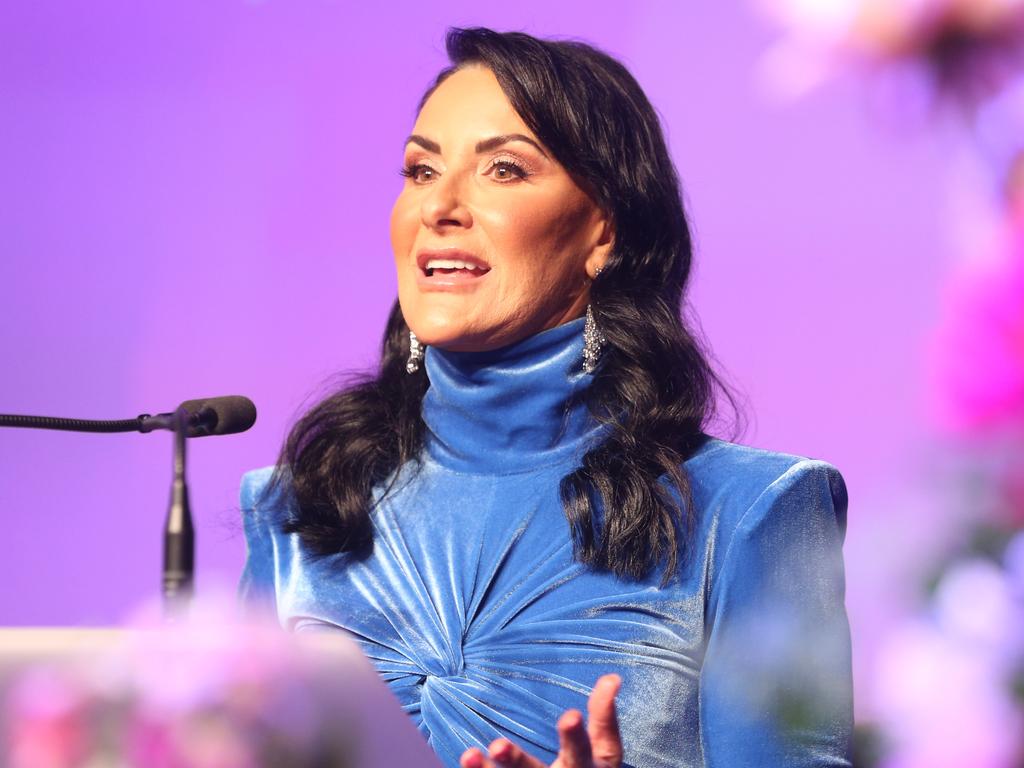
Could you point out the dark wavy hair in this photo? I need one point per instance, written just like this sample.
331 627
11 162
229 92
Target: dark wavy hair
655 388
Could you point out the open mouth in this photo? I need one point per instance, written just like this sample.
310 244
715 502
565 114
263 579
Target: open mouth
452 266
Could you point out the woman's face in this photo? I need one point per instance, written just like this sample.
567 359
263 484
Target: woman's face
493 240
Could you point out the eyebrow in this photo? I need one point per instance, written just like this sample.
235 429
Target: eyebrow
486 145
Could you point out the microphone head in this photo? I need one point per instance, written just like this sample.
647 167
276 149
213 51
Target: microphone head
219 415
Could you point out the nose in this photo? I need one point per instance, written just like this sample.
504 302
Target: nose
444 206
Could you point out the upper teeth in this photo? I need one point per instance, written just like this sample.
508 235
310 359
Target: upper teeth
450 264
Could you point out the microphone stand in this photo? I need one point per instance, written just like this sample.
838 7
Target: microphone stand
193 418
179 535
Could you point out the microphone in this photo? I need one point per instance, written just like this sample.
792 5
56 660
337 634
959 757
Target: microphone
210 416
219 415
193 418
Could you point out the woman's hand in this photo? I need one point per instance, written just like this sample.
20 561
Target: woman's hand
596 746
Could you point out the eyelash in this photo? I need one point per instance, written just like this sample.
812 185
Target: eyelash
411 170
515 167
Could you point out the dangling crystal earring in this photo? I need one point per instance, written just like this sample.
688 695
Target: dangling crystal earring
593 342
415 354
593 339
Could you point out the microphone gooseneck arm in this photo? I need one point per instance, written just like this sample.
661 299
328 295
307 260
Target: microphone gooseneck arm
139 424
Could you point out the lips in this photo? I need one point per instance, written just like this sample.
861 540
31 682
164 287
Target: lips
449 266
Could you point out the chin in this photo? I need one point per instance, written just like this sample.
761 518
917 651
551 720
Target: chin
457 335
439 330
454 341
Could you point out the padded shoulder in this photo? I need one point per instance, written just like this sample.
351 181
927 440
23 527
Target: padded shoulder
808 485
264 506
254 485
734 479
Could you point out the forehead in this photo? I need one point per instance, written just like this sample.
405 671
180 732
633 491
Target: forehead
468 104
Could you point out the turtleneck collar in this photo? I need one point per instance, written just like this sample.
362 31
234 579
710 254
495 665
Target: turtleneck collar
512 409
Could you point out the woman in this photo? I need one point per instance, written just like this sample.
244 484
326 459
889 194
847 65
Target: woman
522 501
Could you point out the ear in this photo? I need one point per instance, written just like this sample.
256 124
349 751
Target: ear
602 249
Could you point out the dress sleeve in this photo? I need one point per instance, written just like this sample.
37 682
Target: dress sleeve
256 587
776 685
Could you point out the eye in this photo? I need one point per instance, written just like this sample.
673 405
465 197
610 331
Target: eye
418 172
507 170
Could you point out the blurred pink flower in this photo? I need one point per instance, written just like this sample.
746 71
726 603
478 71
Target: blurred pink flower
46 723
209 692
944 703
967 48
978 355
977 602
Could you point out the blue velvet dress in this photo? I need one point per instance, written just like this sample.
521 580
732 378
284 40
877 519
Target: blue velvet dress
475 613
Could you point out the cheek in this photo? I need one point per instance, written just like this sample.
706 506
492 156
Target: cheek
521 232
403 224
543 240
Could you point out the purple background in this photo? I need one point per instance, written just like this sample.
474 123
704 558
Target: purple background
194 200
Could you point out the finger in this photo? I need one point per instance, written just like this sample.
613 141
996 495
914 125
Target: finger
507 755
602 721
573 742
474 758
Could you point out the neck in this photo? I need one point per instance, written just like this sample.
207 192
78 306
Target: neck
512 409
